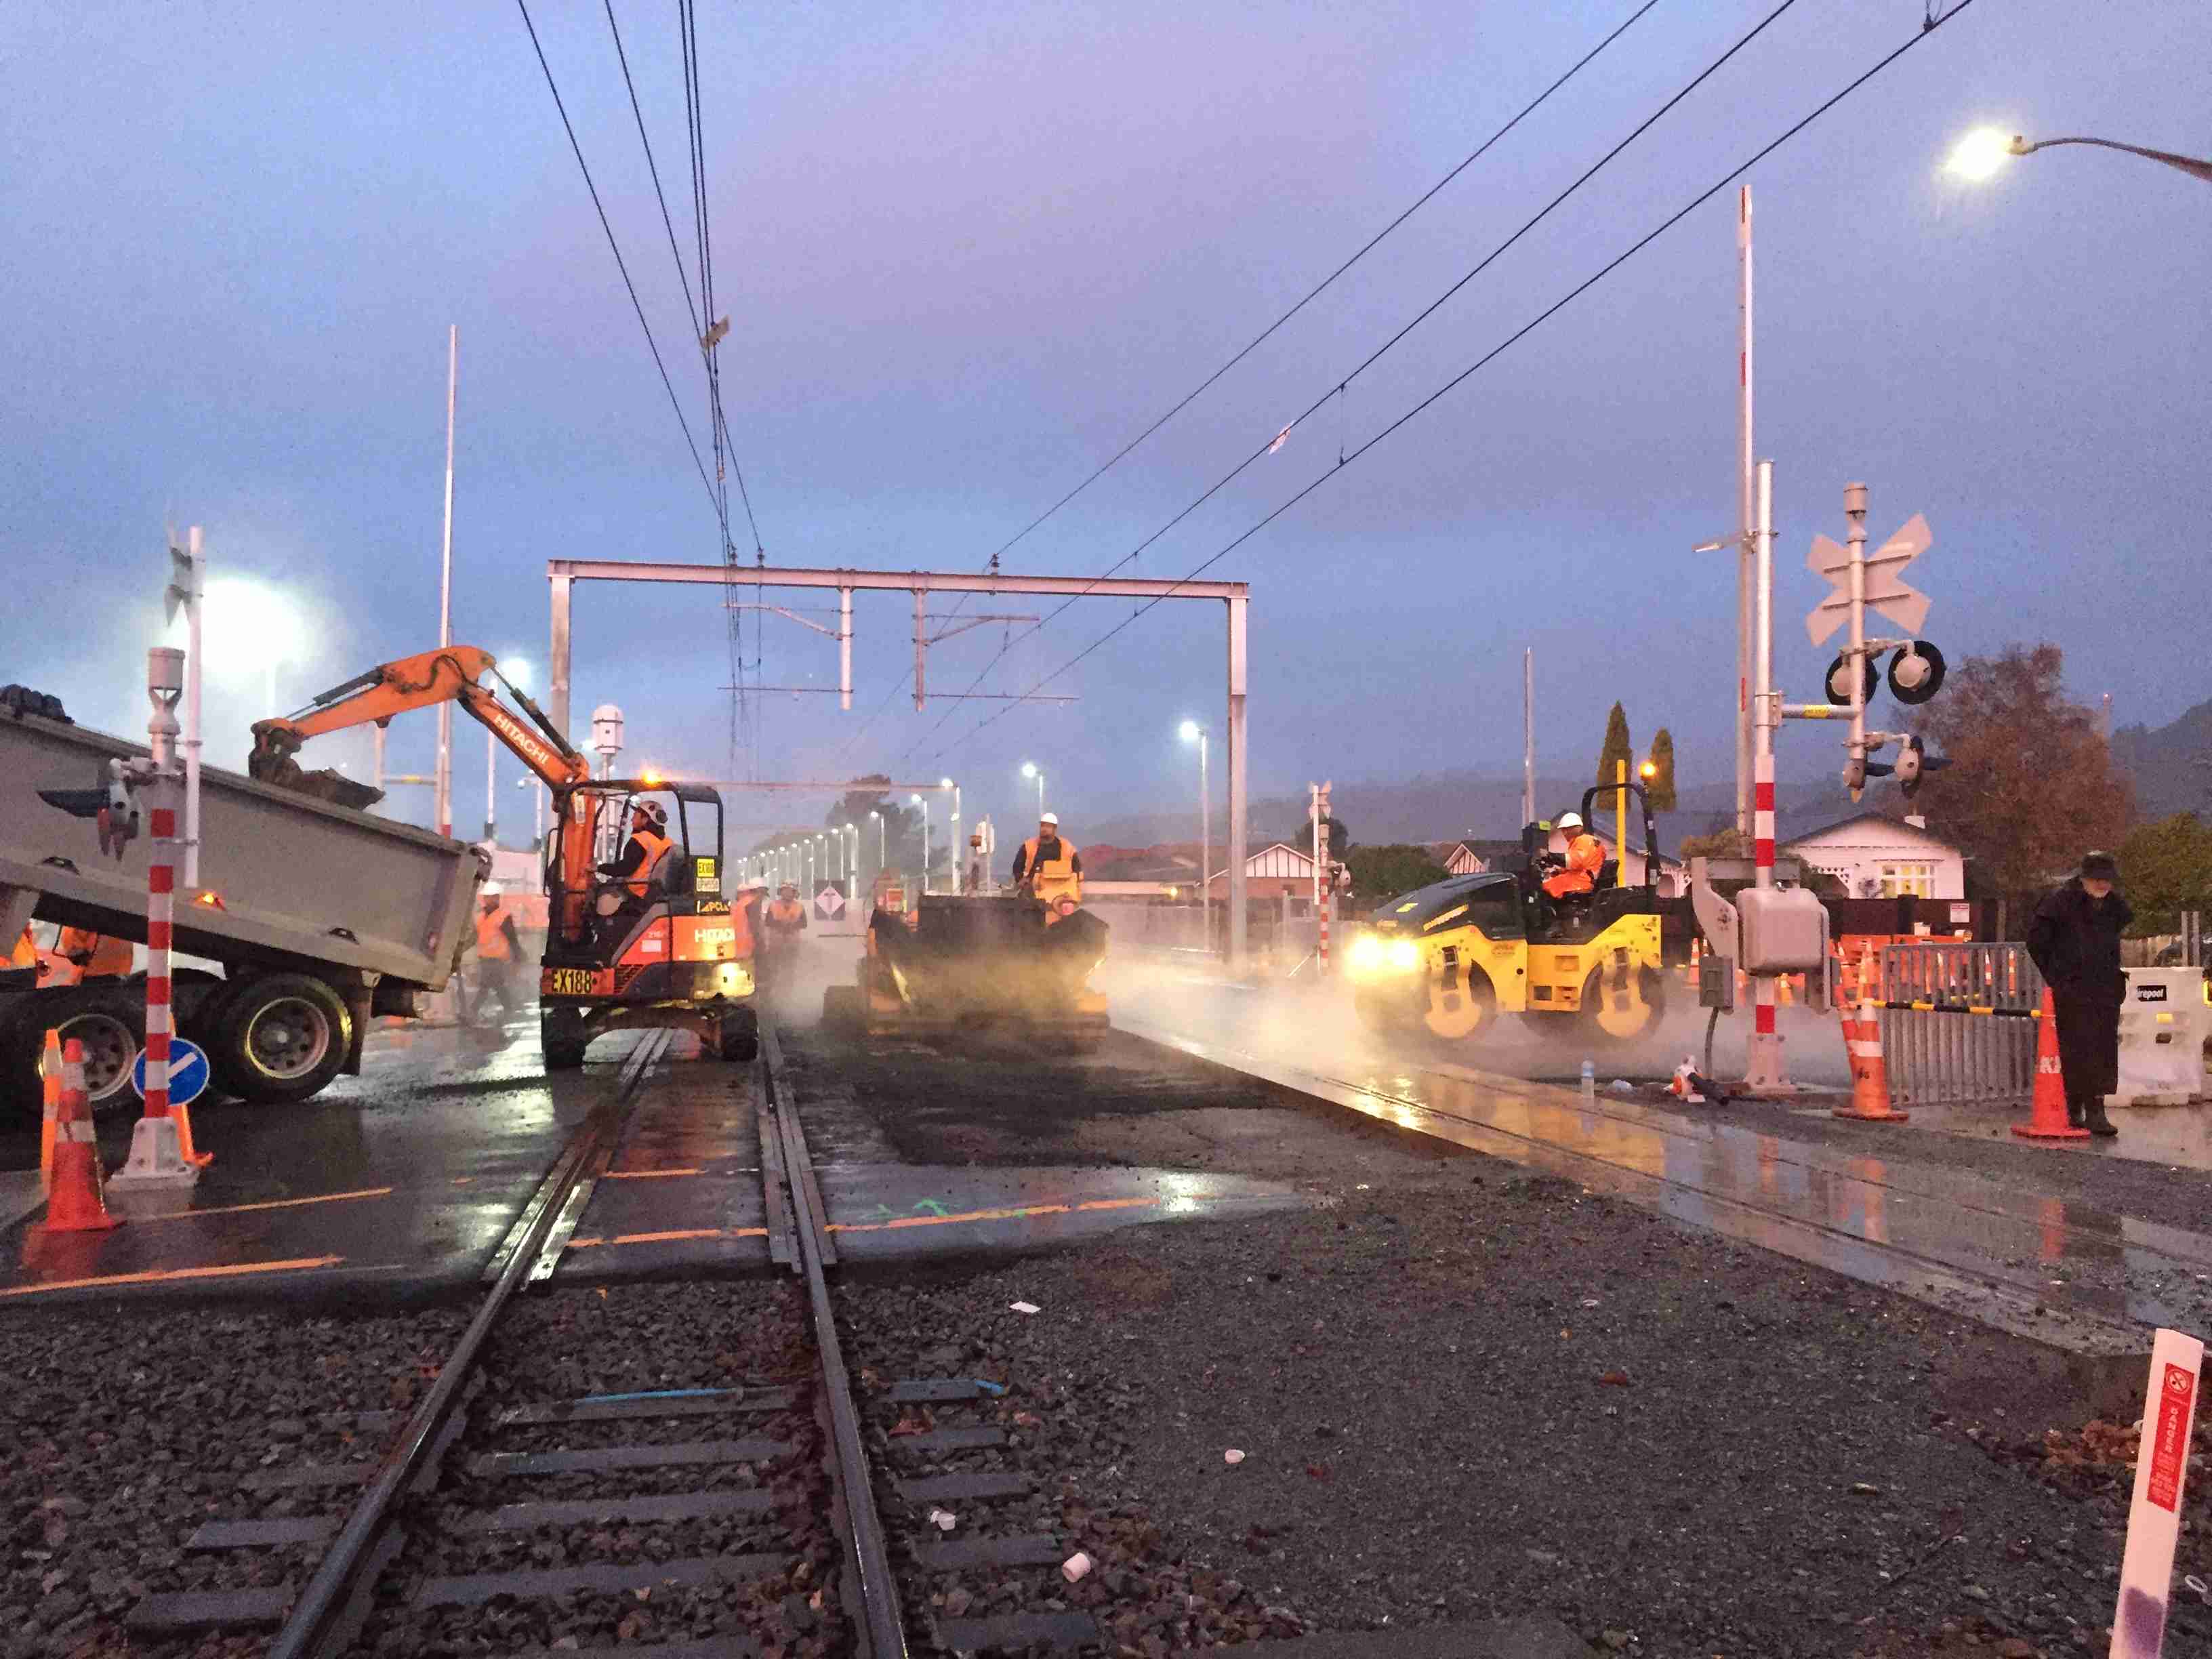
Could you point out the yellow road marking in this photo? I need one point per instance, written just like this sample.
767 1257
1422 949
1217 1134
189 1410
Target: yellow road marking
271 1204
1019 1213
165 1275
593 1242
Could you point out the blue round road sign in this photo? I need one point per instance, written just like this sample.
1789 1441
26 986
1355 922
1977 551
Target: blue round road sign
188 1071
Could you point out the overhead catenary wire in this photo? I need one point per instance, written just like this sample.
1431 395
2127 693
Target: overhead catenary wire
1337 387
1326 283
1527 328
615 247
1266 333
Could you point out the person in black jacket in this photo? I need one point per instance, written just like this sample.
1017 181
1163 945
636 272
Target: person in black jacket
2075 940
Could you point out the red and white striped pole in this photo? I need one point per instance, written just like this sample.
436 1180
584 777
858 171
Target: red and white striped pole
1764 1070
159 1148
161 919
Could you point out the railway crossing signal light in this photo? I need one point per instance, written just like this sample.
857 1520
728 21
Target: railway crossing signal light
1916 672
1913 764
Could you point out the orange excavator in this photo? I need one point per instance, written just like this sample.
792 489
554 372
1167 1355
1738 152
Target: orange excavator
646 941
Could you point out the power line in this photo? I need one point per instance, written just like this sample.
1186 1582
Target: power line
1541 316
1372 357
1320 287
615 247
1257 340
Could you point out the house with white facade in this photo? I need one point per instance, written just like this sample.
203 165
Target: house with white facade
1879 857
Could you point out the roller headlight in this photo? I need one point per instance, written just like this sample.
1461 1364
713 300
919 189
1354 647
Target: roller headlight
1365 954
1405 955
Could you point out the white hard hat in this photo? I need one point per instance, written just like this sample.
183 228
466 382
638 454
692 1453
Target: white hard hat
1569 821
1052 818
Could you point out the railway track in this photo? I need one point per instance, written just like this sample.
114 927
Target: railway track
798 1510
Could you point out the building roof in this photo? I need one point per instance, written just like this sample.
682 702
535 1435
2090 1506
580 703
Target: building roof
1898 825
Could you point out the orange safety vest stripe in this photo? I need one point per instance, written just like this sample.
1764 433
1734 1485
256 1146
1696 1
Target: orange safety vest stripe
491 935
657 847
26 953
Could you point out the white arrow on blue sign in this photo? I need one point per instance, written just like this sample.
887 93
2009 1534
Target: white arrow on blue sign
188 1071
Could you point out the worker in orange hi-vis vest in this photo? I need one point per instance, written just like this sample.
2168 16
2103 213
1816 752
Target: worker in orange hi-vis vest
96 955
1585 858
1050 866
499 947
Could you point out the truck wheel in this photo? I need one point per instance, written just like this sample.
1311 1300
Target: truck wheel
1621 1004
281 1038
104 1021
561 1038
739 1038
1463 1004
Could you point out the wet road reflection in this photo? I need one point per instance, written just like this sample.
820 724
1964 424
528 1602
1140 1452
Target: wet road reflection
2052 1268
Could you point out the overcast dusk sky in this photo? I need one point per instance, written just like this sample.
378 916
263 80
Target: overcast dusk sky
968 251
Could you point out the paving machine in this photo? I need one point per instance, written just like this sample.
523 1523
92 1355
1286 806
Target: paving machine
962 965
1453 958
666 949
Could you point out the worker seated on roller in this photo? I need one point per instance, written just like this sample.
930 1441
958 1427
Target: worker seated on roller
1576 876
1048 867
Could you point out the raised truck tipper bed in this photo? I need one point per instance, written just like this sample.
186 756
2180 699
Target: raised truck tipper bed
320 917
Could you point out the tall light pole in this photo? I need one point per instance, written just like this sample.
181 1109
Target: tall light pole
1030 769
1193 733
444 810
878 817
952 841
924 804
1983 151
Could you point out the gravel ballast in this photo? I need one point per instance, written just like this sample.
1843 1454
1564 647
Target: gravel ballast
1511 1397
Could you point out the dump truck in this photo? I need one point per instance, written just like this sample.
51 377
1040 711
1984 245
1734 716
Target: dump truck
968 965
318 919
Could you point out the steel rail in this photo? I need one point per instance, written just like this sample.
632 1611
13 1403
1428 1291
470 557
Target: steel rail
882 1624
317 1624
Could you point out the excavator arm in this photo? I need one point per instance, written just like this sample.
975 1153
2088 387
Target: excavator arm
452 673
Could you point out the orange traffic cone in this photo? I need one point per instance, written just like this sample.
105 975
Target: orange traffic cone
2047 1111
1869 1071
76 1204
50 1080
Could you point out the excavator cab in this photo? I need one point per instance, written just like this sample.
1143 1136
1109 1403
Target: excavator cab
664 946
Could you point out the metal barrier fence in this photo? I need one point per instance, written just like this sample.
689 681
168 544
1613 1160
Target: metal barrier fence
1975 1041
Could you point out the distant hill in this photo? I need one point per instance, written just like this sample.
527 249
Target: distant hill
2171 767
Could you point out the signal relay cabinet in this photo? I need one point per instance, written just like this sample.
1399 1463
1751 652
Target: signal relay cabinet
1454 957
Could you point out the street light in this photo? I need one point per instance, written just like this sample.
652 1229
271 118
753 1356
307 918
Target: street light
1193 733
249 625
878 817
1978 154
924 804
1030 770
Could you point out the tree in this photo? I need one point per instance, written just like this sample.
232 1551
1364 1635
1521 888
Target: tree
2032 784
1659 786
1382 873
1339 838
1724 843
2166 867
1618 750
